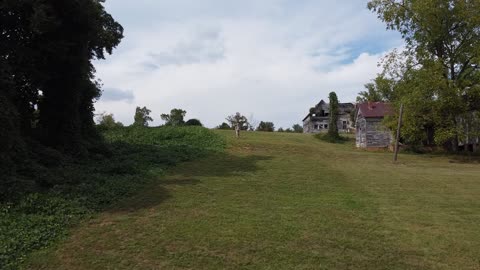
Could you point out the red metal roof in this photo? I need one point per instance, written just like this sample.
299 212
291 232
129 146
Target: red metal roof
375 109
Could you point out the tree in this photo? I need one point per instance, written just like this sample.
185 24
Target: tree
142 117
107 121
266 126
380 89
252 122
47 49
332 125
288 130
194 122
224 126
297 128
280 130
47 78
175 118
439 82
239 122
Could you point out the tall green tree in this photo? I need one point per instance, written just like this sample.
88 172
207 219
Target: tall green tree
380 89
142 117
333 117
47 79
46 50
175 118
439 78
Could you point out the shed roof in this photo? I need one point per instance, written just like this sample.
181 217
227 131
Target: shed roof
375 109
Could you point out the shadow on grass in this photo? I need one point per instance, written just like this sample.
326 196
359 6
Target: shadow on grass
217 164
225 165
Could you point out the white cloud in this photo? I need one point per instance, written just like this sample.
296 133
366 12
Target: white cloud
274 60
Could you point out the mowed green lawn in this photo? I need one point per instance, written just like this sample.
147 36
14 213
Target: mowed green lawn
288 201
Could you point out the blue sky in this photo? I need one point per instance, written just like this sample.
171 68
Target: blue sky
271 60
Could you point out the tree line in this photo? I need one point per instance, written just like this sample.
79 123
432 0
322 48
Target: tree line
243 123
142 118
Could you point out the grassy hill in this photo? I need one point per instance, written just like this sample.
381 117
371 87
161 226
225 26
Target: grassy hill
287 201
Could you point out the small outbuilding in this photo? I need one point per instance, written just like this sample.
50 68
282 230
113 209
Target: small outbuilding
370 130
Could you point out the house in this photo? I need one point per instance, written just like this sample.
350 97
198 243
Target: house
371 133
317 120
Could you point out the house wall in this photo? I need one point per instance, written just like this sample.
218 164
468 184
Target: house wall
321 125
371 133
361 134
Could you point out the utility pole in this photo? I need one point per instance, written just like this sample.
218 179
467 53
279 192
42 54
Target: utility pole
397 142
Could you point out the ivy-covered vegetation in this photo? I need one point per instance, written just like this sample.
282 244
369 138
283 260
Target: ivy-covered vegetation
132 158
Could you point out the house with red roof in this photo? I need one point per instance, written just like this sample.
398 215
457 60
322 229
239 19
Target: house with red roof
370 130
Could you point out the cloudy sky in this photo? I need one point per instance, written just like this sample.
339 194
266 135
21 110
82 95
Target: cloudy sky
270 59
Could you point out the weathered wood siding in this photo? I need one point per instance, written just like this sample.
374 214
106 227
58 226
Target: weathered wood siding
361 135
371 133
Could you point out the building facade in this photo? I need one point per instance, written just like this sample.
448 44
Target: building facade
318 119
370 131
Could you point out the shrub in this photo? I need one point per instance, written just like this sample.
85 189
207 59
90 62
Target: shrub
194 122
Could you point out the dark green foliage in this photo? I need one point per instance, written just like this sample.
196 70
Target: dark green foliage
297 128
77 189
332 125
175 118
142 117
266 126
194 122
224 126
47 80
280 130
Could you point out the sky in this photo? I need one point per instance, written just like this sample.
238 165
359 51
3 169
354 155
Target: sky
270 60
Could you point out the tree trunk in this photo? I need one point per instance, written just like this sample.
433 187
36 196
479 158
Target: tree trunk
237 131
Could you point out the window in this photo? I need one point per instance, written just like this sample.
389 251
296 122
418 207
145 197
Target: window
316 127
326 126
344 125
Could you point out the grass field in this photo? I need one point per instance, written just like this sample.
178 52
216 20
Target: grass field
288 201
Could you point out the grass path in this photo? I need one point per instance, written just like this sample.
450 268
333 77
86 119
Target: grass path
288 201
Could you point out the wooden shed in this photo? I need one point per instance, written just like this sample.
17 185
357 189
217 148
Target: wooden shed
370 131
